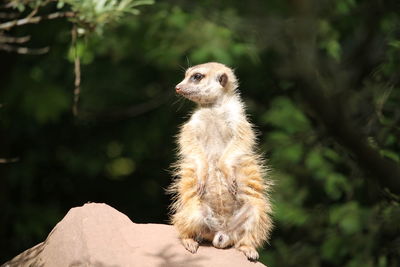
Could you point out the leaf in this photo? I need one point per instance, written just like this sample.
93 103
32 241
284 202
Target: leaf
284 115
46 104
335 185
390 154
60 4
347 217
289 214
333 247
121 166
395 44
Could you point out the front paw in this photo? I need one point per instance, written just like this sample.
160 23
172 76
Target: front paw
221 240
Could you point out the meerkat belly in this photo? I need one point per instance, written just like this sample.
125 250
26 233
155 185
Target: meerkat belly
217 195
215 139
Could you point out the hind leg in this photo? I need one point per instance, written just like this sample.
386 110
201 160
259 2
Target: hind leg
250 226
249 251
246 232
189 221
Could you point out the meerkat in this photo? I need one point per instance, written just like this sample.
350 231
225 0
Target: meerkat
219 192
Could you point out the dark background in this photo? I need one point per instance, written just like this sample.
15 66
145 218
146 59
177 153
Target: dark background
320 80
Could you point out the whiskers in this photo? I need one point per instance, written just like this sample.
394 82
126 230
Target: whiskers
188 65
183 69
188 62
179 101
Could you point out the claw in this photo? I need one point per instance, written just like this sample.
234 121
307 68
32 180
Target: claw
232 187
250 252
190 244
200 188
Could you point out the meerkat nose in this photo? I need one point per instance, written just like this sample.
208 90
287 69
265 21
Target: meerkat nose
178 89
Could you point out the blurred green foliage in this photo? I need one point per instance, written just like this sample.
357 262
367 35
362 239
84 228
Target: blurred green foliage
329 208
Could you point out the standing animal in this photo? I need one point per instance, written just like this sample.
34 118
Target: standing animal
219 190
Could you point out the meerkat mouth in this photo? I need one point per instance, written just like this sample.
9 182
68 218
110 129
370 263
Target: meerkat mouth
189 94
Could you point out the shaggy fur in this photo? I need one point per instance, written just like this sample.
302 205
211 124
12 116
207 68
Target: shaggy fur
219 189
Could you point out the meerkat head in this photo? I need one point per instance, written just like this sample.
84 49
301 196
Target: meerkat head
207 83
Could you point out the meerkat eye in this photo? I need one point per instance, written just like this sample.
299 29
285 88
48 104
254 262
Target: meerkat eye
197 77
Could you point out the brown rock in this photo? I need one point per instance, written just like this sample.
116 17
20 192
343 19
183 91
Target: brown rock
98 235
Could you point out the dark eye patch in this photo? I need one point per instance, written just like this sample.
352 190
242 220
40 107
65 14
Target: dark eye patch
197 77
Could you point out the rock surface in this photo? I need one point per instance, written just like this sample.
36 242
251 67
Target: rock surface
98 235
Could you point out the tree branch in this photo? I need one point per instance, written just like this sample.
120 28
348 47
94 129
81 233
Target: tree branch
29 20
129 112
330 112
331 108
24 50
15 40
12 160
77 71
6 15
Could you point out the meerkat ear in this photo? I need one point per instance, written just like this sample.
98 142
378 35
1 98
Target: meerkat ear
223 79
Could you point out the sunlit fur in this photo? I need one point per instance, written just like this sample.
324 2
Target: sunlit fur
220 188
